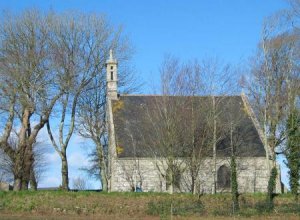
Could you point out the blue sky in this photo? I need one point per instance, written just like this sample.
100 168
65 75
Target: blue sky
226 29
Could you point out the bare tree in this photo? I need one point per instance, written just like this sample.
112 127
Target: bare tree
274 84
80 183
30 86
92 125
188 82
166 142
81 46
92 107
6 168
236 132
185 128
215 81
39 166
43 59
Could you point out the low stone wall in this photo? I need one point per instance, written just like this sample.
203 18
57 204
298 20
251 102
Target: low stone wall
5 187
148 174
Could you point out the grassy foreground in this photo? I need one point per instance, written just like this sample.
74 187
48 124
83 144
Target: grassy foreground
98 205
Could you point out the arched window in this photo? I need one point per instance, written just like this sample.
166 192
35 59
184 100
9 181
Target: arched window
111 75
224 177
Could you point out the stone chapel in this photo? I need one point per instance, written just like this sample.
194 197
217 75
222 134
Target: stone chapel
139 160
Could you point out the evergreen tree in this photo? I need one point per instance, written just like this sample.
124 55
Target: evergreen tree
234 185
293 150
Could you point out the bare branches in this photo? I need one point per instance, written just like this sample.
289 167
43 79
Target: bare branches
80 183
80 48
274 83
182 128
47 60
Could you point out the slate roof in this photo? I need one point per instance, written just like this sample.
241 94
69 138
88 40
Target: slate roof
143 123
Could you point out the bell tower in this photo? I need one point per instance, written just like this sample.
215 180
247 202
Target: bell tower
111 77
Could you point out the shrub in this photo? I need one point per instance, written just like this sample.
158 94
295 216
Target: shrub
264 207
222 212
179 207
247 212
290 208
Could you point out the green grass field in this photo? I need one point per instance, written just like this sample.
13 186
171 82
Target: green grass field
99 205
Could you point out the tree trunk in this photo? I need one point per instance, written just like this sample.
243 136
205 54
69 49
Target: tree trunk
214 146
194 180
169 181
19 169
33 181
271 188
234 185
17 184
170 188
103 177
28 164
25 183
64 171
234 181
193 186
102 166
273 173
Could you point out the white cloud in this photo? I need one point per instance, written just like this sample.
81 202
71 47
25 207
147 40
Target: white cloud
53 181
77 140
77 160
52 157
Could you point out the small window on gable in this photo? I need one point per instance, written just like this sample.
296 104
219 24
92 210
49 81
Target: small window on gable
111 75
111 67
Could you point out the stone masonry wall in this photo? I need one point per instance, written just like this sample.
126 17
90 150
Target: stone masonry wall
253 175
